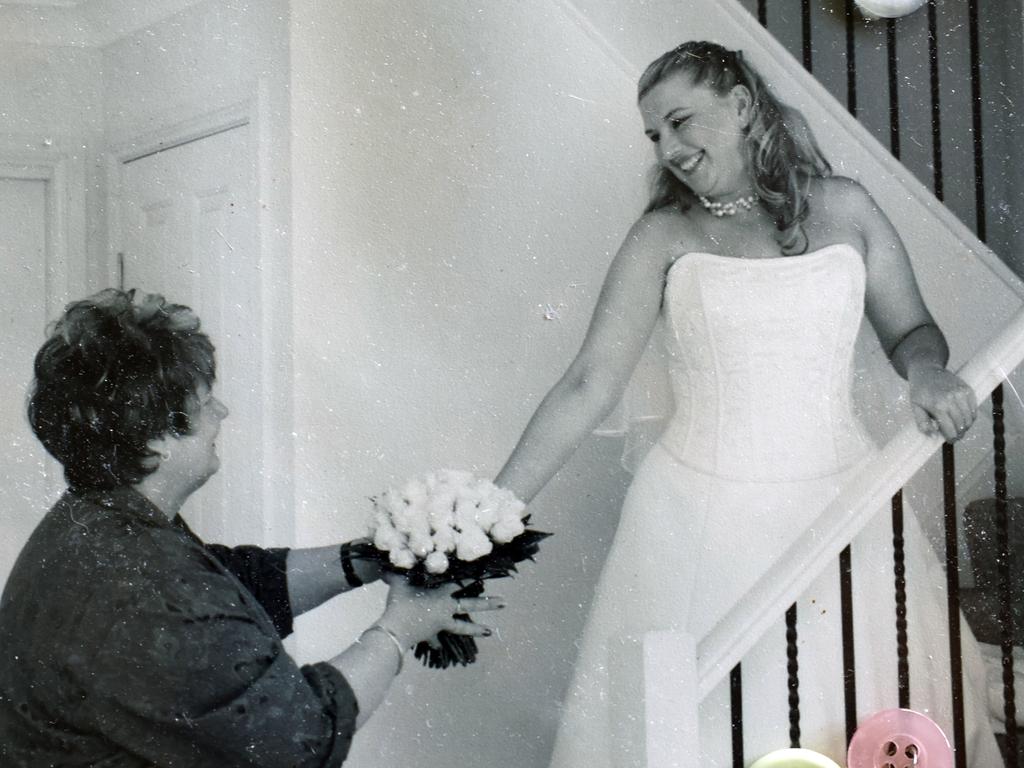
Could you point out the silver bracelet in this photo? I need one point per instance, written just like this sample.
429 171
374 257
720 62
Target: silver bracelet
395 640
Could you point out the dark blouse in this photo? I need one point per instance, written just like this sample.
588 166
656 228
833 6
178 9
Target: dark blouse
127 642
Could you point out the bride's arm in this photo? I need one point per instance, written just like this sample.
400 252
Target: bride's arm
915 344
623 319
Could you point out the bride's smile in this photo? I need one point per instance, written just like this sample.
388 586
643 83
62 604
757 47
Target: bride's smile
698 134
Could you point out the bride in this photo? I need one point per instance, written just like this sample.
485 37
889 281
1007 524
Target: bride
760 264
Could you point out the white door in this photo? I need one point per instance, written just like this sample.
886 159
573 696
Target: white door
189 231
25 493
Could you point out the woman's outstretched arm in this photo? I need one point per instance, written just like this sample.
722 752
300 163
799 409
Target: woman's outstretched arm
623 319
915 344
315 575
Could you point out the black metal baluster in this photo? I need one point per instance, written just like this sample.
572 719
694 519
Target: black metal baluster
900 572
846 556
851 59
792 667
894 88
936 91
849 665
762 12
953 603
976 126
736 702
1005 562
808 47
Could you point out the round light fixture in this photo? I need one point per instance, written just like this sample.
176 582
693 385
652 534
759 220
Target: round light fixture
889 9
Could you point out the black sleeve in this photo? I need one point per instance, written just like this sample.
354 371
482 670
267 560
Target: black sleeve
264 573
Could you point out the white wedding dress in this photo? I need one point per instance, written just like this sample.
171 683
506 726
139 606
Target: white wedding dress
763 438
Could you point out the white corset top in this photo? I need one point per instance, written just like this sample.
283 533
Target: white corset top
762 354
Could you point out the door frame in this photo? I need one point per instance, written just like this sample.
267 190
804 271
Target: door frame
64 177
55 163
273 213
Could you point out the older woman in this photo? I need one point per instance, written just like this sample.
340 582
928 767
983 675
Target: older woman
128 641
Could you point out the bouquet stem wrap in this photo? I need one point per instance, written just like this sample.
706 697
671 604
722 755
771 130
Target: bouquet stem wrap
450 527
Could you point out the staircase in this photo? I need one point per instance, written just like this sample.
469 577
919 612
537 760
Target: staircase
725 645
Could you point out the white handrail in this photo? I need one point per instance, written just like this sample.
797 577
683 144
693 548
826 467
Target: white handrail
840 522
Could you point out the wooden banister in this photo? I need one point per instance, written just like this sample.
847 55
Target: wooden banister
840 522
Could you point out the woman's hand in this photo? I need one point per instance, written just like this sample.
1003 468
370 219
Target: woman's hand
412 614
416 614
942 402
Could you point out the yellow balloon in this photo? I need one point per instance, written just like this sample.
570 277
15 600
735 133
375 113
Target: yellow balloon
889 9
795 758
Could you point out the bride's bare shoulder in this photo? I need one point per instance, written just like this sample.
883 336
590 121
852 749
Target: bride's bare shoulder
666 230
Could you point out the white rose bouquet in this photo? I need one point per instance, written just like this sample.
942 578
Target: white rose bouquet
450 527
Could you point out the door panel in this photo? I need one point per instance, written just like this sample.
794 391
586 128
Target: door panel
190 232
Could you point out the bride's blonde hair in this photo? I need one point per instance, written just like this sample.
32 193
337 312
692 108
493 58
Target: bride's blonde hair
782 153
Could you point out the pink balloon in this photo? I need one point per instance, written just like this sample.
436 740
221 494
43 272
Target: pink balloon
899 738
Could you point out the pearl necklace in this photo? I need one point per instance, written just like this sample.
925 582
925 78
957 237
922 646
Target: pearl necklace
731 208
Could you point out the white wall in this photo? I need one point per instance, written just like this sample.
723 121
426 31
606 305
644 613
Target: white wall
456 168
199 60
51 106
50 90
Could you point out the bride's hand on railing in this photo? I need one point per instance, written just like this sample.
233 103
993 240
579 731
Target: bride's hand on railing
942 402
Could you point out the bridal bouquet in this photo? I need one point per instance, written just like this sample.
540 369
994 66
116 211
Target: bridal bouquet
450 527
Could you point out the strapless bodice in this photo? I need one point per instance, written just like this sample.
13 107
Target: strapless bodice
762 353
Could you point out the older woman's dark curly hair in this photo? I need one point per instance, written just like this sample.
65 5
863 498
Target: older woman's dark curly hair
113 375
